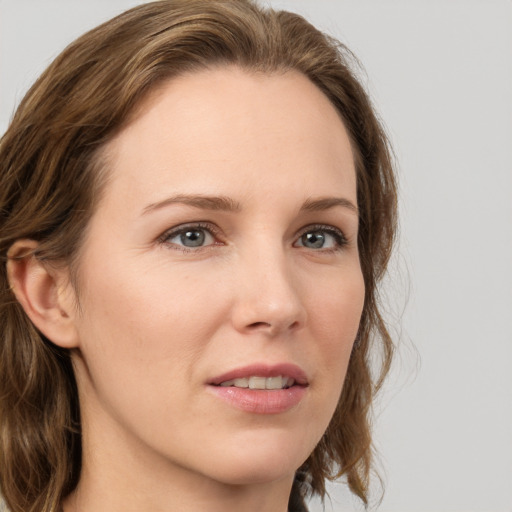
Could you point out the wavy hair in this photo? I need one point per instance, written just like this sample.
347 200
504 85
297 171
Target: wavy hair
51 177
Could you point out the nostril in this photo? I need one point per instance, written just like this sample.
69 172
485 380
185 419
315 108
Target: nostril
259 325
272 328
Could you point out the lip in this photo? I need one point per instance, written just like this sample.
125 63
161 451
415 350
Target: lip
261 401
264 370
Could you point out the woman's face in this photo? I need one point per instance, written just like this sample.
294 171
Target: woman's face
223 254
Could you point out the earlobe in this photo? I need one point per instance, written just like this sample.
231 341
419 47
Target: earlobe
43 292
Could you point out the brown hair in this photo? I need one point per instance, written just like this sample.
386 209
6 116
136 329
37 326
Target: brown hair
50 180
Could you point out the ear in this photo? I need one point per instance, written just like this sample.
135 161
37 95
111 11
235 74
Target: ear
44 292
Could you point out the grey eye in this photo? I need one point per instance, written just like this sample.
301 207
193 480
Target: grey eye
192 237
320 237
313 240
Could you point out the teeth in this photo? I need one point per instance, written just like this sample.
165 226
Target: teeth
275 382
256 382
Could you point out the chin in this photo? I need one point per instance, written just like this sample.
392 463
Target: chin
252 472
261 458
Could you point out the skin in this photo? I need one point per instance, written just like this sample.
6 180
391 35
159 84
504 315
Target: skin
158 320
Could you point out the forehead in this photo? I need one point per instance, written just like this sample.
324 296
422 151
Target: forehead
217 127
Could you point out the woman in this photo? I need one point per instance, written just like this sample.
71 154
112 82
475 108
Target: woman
197 205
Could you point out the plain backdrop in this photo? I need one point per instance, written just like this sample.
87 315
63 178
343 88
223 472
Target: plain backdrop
440 74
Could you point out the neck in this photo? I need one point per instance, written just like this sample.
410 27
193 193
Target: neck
97 498
93 494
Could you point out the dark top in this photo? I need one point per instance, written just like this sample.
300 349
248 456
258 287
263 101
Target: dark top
296 501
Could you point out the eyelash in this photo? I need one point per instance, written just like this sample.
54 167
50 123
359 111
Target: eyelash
197 226
339 237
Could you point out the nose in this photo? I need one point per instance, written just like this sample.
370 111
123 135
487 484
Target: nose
269 298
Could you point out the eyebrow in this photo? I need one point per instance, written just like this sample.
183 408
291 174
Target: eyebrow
221 203
326 203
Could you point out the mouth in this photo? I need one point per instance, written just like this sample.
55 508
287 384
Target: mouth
263 376
262 389
257 382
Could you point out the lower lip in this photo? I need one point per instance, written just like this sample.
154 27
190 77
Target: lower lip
260 401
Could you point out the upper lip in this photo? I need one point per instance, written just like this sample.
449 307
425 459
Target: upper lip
264 370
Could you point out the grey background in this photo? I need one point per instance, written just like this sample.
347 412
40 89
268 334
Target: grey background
440 74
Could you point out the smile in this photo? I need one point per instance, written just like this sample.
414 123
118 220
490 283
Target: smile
261 389
255 382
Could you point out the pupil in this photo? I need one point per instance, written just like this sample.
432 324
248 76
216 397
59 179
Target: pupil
192 238
314 240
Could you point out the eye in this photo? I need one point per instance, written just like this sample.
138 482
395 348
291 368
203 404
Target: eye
321 237
189 237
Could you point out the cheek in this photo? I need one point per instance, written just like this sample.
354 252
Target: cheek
132 305
146 340
335 323
339 306
141 335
